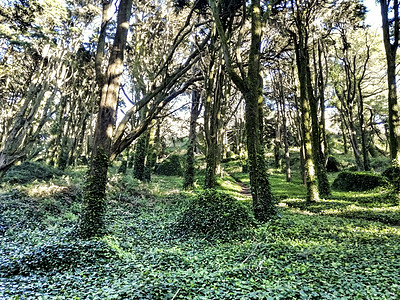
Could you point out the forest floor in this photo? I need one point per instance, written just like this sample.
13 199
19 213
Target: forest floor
346 247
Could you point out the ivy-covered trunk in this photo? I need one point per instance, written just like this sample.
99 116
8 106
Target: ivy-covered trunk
194 114
151 158
318 157
212 115
94 203
300 42
250 85
263 204
140 156
391 36
263 200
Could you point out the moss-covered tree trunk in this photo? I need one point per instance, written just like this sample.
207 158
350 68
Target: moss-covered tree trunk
94 202
151 158
250 85
318 157
300 41
285 139
263 200
139 164
212 114
194 114
391 36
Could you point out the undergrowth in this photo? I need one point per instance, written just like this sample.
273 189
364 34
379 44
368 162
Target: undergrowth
329 250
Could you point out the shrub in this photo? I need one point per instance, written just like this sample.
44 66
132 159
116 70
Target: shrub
230 156
391 173
213 214
29 171
173 165
358 181
58 256
332 164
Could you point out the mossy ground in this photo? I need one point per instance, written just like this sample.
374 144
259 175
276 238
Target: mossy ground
346 247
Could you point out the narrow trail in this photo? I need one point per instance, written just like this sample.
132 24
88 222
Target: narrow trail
245 191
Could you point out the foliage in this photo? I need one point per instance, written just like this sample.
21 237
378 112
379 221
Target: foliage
58 256
38 207
332 164
358 181
29 171
317 252
214 214
391 173
173 165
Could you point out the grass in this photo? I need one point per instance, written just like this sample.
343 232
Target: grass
332 249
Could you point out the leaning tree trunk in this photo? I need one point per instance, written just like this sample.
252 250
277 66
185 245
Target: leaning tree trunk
94 202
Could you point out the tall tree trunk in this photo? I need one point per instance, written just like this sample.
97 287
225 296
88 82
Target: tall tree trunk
302 67
140 156
194 114
300 137
212 120
354 142
285 135
323 183
263 200
278 137
94 202
151 158
321 88
344 135
364 142
250 85
391 31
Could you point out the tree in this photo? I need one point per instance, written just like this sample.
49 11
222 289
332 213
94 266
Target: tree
195 110
250 85
46 67
391 31
171 80
91 222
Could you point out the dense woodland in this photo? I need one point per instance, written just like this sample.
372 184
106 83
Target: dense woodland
206 149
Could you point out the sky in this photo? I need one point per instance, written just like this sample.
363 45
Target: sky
373 14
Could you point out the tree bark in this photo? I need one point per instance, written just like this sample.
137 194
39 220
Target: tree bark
194 114
250 86
94 202
323 183
391 41
300 41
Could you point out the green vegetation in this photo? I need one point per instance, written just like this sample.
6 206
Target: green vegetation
214 215
29 171
345 247
171 166
358 181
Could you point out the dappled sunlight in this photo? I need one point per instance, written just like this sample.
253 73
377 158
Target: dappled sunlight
45 190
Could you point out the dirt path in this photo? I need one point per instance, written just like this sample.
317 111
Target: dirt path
245 188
